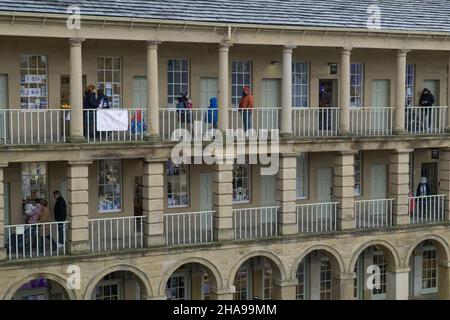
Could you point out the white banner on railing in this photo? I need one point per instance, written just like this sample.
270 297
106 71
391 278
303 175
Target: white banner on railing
112 120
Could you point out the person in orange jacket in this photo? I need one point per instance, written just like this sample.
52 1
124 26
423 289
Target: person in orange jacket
246 106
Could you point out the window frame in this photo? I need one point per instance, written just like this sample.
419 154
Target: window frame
120 183
429 248
27 85
248 169
358 155
236 86
29 175
356 85
110 282
300 85
186 170
102 84
172 95
410 82
328 278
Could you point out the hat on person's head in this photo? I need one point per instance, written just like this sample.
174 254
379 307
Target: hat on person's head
91 87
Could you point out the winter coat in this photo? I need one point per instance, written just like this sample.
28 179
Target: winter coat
60 209
427 188
426 99
247 99
89 100
212 114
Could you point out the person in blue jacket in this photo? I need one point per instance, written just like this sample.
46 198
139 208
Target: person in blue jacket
212 114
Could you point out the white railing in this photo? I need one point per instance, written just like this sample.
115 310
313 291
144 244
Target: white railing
24 241
22 126
256 118
197 121
426 120
426 209
371 121
317 217
255 222
116 233
189 227
137 127
315 122
372 214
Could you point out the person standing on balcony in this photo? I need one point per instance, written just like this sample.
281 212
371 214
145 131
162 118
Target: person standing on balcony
89 104
423 201
60 211
212 114
426 101
246 106
184 115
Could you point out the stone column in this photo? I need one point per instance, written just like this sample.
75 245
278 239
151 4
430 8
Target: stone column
223 201
286 194
444 179
3 165
443 280
399 126
153 202
286 89
76 91
224 87
78 206
152 89
345 284
344 92
397 283
285 290
343 189
399 185
223 294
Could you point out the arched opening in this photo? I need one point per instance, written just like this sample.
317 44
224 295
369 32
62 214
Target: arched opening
371 268
41 288
257 279
119 285
425 269
191 281
316 276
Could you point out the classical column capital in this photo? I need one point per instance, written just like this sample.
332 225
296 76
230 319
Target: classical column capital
289 48
76 42
3 164
152 44
80 163
347 153
402 52
225 45
398 269
402 151
346 50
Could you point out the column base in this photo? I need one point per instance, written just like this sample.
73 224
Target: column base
79 247
344 133
399 132
288 229
345 224
287 134
154 241
76 139
153 137
400 220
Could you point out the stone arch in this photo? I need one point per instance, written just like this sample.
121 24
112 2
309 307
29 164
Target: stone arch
9 294
336 258
260 253
202 261
441 244
389 251
141 275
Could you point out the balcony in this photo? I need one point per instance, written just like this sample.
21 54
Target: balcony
256 118
426 209
188 228
255 223
371 121
426 120
110 234
26 241
315 122
373 214
317 217
197 122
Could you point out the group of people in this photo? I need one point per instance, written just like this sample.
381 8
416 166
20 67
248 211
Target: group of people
184 106
93 101
39 212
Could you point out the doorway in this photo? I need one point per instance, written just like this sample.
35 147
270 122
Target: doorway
208 90
328 98
268 190
429 170
378 182
206 183
325 184
270 99
380 100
